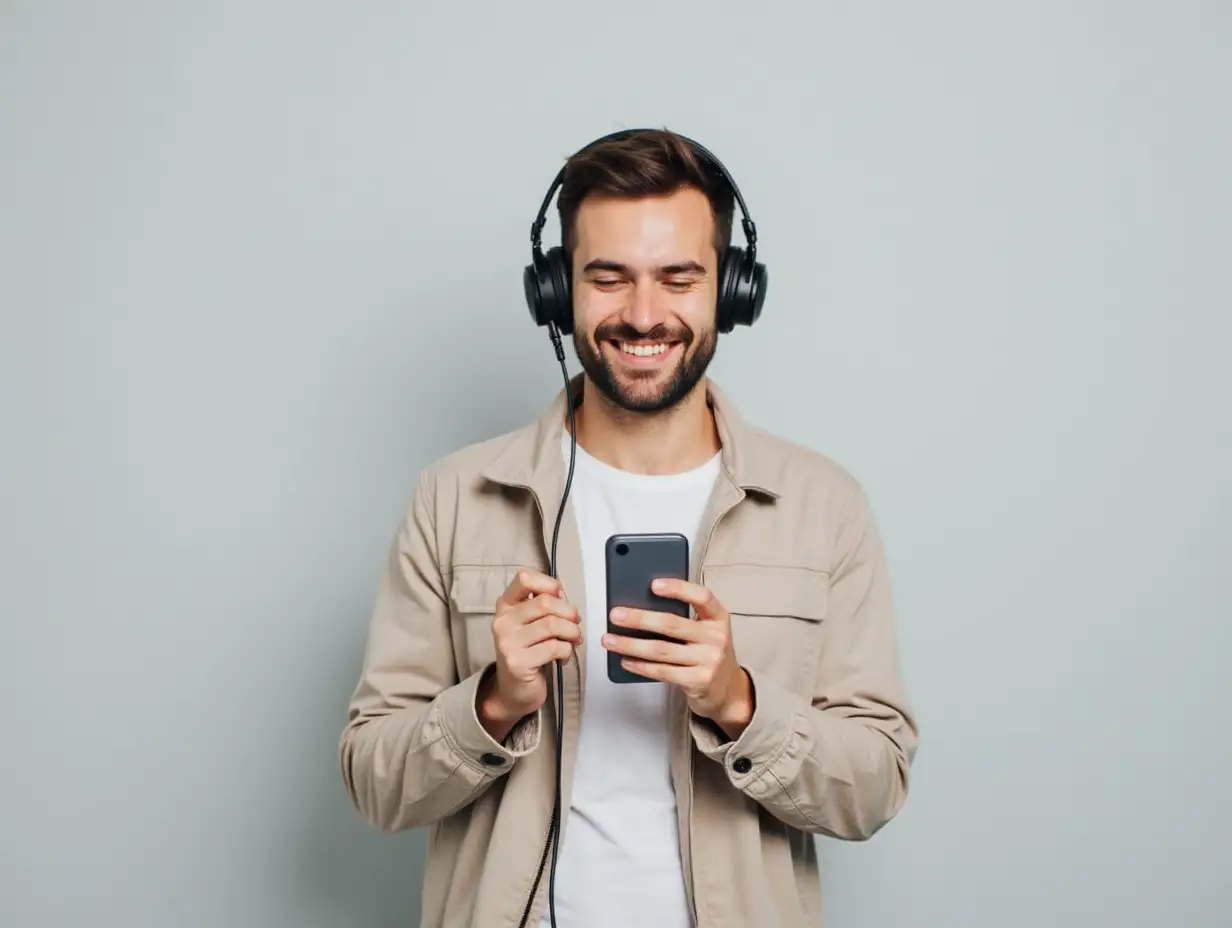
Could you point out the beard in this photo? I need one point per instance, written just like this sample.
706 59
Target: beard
645 391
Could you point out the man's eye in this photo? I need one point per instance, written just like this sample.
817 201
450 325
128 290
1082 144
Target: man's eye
680 284
606 282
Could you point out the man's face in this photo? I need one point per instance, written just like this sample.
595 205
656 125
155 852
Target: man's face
645 279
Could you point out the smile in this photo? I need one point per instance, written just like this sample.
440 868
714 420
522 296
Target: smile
643 350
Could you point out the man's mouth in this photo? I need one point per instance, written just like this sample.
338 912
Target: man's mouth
643 349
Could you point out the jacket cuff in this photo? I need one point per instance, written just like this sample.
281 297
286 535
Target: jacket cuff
471 742
779 719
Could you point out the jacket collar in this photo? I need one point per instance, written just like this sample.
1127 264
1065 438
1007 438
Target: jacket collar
533 459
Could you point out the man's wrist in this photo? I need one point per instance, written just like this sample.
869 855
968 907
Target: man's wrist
737 713
493 715
497 718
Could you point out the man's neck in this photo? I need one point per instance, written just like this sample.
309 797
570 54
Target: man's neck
668 442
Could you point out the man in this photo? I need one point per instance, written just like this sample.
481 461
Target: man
692 798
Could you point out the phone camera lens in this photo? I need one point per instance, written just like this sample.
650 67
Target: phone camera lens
622 548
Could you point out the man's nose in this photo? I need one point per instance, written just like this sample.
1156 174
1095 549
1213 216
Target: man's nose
644 310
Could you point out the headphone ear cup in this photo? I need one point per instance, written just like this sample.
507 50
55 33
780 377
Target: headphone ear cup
545 282
742 290
533 289
562 293
725 316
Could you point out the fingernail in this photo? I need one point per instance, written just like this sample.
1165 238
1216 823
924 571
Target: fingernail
657 585
618 614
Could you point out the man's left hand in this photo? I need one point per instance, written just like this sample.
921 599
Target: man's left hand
703 664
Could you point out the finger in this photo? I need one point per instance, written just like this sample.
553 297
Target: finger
528 583
666 673
549 627
674 626
652 649
540 606
704 602
546 651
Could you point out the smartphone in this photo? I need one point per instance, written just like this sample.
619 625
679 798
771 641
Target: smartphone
633 561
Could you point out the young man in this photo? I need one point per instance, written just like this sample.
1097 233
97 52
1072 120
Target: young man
692 798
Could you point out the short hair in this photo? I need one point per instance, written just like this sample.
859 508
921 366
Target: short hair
644 163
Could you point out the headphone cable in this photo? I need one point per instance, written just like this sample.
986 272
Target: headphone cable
557 812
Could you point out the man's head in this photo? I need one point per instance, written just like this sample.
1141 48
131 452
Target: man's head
645 223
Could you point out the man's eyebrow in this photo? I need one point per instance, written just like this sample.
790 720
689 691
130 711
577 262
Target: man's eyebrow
682 267
603 264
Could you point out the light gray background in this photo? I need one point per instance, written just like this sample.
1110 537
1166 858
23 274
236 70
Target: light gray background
260 262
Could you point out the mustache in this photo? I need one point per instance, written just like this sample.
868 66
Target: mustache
623 332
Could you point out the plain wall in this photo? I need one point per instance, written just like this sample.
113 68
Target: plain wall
260 262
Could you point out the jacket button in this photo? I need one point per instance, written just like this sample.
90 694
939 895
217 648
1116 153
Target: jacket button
492 760
742 765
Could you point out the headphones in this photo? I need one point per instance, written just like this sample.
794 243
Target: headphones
742 279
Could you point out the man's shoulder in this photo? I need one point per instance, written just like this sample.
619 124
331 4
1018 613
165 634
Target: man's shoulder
469 461
798 468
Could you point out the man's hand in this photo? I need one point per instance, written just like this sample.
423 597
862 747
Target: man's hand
703 664
533 626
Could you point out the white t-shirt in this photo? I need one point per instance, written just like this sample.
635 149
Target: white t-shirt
620 858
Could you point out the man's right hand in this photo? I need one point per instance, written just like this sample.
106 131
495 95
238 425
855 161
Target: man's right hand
533 626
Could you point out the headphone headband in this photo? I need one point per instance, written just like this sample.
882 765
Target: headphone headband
746 221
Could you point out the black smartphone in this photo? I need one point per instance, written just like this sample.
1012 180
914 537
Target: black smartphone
633 561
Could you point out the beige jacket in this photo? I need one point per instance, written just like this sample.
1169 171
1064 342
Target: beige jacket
788 545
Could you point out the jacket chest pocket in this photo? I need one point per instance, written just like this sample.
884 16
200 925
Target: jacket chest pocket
778 615
473 591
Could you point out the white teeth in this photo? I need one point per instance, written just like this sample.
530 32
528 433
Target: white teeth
643 351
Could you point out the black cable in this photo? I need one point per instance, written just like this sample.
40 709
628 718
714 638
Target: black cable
557 811
554 828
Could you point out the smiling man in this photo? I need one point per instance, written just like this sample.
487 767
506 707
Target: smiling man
776 713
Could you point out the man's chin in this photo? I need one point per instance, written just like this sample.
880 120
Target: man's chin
649 393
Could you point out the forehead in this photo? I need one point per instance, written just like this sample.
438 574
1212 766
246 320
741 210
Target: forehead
675 225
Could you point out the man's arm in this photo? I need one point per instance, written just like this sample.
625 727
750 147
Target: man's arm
414 749
837 765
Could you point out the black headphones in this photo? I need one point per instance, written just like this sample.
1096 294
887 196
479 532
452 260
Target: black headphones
742 280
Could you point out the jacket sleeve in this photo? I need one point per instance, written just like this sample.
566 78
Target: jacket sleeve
413 750
836 765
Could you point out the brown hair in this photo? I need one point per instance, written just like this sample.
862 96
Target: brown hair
649 162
